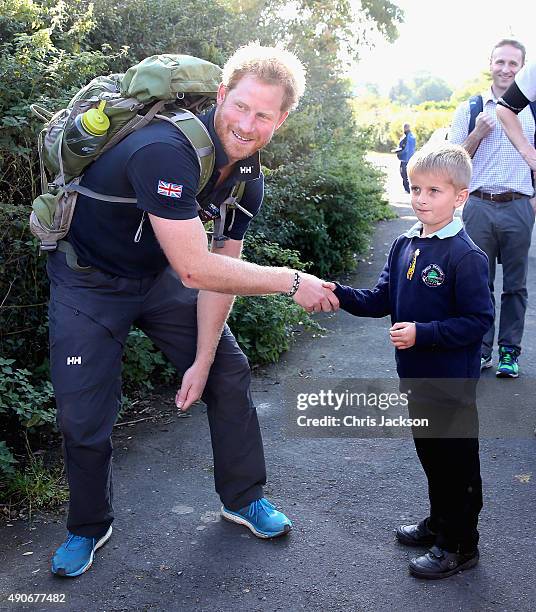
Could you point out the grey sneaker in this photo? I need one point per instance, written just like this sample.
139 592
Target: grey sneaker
485 362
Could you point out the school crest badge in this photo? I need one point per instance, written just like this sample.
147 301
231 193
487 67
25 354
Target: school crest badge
433 276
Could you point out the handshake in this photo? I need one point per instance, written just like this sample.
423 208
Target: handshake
316 295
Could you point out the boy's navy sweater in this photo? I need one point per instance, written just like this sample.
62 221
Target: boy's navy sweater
448 298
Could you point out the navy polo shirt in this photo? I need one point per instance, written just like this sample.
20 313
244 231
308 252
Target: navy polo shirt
158 166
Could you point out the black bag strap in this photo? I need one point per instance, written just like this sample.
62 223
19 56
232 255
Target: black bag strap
476 106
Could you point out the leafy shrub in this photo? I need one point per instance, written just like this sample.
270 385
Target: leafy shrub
25 403
7 460
264 325
323 206
20 396
143 363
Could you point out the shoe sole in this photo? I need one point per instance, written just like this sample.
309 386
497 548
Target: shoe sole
240 520
486 365
500 374
464 566
99 543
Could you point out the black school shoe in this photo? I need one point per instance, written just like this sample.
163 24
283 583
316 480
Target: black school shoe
416 535
438 563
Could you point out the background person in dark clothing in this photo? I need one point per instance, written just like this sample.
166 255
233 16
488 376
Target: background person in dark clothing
435 287
406 148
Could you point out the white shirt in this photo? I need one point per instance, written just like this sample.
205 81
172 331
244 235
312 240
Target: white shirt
497 165
526 81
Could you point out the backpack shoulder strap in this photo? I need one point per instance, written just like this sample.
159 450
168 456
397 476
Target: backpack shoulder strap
198 136
476 106
532 106
231 203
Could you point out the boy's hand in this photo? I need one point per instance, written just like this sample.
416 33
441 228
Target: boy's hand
403 335
329 285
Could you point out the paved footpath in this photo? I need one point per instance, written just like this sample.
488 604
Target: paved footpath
170 550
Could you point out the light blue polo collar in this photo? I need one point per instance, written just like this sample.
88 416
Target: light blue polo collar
451 229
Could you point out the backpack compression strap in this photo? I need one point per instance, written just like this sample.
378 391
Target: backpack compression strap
197 135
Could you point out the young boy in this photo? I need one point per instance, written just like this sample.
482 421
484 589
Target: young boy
435 287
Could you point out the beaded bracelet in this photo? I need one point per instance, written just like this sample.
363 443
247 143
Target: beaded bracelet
295 285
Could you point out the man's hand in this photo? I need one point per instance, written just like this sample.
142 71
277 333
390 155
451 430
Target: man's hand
192 386
314 296
484 124
403 335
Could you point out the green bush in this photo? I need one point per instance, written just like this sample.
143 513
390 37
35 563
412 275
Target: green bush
25 403
7 461
143 363
329 203
264 325
20 396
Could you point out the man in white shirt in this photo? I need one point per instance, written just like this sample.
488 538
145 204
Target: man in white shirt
498 214
516 98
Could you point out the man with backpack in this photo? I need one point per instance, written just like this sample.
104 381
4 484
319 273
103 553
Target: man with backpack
404 152
149 263
498 214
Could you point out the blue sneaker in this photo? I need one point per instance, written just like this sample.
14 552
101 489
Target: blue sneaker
75 555
261 518
508 366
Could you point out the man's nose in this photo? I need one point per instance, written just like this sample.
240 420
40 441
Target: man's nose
247 123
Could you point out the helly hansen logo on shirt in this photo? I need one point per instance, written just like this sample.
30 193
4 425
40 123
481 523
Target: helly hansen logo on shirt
169 189
74 360
246 170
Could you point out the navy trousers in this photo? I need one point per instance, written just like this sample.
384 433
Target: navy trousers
90 315
452 468
404 175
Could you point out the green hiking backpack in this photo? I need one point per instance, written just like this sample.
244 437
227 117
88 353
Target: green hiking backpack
171 88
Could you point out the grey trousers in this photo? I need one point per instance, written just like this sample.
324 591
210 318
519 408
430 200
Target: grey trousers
90 317
503 230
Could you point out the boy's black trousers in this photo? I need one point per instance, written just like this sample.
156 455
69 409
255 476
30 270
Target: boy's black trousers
90 315
452 468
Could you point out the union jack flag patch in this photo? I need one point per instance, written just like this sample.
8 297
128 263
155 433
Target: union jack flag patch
169 189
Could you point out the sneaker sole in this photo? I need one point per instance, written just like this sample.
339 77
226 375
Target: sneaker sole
99 543
240 520
486 365
500 374
464 566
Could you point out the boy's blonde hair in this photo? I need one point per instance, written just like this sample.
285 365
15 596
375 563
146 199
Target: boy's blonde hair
448 160
272 65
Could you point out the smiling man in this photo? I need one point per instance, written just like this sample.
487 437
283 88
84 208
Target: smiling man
498 215
149 264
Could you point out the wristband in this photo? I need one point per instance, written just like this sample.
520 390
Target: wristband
295 285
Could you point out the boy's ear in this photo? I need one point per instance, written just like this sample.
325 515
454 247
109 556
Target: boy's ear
461 198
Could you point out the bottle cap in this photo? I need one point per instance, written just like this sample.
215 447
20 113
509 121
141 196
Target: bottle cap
95 121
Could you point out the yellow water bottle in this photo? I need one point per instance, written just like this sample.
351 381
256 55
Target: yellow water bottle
88 131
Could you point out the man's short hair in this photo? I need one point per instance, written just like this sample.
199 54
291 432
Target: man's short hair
513 43
448 160
272 65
